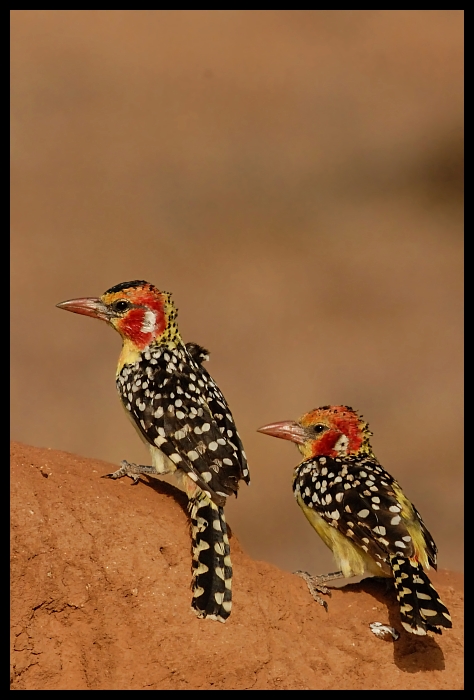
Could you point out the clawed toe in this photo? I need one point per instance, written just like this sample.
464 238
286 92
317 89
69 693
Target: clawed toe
132 470
316 586
126 469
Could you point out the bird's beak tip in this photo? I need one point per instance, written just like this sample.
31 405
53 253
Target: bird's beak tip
87 306
286 430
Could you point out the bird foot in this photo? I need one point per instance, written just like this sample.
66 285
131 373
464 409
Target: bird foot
130 469
316 584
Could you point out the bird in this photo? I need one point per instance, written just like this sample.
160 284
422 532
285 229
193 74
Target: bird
361 513
183 418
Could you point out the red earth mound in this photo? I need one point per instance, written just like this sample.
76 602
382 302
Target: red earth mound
101 600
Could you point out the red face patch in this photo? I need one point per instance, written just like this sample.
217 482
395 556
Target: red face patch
130 326
142 325
341 421
324 444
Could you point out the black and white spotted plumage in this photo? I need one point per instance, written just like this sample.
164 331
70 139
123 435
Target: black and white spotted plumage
184 419
211 563
179 410
361 513
356 496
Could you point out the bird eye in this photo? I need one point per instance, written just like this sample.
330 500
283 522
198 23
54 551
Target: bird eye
121 305
319 428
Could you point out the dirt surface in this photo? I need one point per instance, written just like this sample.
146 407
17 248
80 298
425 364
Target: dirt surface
101 600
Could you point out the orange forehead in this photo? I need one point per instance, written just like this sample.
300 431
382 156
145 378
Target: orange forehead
337 416
136 295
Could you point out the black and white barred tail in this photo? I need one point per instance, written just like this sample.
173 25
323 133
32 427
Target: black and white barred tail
421 610
211 565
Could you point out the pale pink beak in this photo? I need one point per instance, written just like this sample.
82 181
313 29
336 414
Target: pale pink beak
88 306
287 430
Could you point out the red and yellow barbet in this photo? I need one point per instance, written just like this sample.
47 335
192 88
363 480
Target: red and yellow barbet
361 513
185 421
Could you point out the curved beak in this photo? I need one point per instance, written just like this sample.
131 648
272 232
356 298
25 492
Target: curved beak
287 430
88 306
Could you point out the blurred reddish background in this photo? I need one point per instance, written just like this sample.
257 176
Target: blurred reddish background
295 179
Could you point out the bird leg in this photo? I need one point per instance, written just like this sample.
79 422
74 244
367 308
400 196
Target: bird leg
132 470
316 584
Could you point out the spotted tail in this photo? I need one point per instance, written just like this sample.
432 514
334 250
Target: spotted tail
420 607
211 567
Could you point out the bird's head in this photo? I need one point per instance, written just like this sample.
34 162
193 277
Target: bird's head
137 310
330 431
